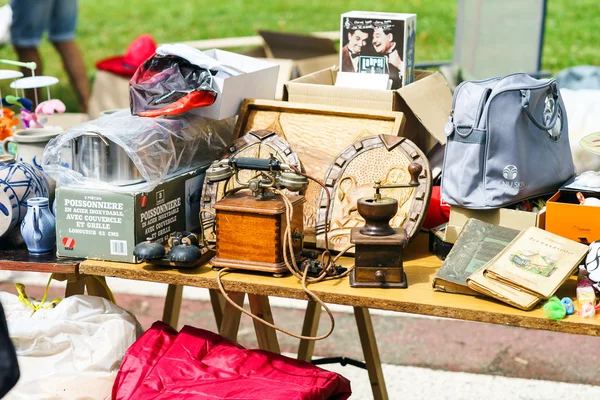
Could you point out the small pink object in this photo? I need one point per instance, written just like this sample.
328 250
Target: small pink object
587 310
30 119
49 107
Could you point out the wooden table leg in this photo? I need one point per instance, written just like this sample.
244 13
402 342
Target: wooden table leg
266 336
309 328
96 286
218 304
231 317
75 285
370 351
172 305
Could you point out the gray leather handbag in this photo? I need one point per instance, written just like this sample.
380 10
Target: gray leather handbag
507 141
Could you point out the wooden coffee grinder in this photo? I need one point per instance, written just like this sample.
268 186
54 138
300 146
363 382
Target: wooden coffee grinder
379 247
251 220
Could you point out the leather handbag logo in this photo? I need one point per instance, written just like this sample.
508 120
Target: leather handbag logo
510 172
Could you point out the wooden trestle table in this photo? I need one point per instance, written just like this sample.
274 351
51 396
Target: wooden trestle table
419 298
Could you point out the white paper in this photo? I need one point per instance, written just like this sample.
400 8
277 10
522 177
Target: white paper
363 81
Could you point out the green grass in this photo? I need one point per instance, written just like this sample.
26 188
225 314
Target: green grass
106 27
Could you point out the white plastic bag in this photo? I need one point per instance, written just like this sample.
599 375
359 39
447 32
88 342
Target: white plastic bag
72 351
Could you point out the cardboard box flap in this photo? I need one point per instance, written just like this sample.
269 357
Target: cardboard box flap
317 86
286 69
324 77
239 61
433 115
310 65
295 46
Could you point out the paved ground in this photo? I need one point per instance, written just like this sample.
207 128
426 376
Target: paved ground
425 358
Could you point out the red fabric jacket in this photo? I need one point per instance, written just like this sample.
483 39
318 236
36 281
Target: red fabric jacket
198 364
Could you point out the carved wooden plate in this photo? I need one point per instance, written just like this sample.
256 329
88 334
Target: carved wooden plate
258 144
351 177
317 133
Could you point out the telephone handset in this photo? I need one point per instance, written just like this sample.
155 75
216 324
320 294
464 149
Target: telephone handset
273 174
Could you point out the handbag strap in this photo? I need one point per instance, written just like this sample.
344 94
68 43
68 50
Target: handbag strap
525 96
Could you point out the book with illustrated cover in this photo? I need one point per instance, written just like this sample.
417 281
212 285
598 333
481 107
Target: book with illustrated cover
537 261
478 243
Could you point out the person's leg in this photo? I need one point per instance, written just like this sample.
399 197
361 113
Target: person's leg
29 21
63 22
73 61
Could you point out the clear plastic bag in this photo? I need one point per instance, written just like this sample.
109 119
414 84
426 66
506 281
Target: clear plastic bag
150 148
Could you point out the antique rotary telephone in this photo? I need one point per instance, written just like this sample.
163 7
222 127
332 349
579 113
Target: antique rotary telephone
253 219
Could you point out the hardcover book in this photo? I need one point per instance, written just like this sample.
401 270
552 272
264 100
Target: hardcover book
537 261
514 296
478 243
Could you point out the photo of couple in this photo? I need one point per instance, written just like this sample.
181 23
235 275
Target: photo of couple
373 46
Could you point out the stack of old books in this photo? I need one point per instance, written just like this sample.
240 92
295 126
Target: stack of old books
518 268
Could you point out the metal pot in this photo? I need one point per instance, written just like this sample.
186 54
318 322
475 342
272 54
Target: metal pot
97 157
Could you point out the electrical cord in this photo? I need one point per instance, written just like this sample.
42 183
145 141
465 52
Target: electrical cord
290 262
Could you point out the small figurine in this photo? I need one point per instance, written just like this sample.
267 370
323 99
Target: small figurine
30 119
569 305
586 295
51 106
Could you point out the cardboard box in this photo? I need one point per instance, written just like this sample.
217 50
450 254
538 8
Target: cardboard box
509 218
296 54
380 43
109 91
569 219
425 103
103 225
258 81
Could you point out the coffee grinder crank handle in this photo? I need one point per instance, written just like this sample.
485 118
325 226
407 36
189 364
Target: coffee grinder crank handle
414 170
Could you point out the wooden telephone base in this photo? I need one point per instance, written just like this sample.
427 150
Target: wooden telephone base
250 232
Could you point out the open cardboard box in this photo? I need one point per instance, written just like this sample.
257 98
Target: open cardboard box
509 218
569 219
258 81
425 103
109 91
296 54
307 53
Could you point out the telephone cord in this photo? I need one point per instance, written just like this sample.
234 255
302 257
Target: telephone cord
290 263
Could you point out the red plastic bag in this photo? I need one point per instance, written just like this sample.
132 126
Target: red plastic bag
198 364
169 85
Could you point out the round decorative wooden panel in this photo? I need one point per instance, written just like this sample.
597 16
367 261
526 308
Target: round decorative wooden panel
385 158
258 144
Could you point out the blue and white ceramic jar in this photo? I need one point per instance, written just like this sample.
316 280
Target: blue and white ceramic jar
39 227
19 182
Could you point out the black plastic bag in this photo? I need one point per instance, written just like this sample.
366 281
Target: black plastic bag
169 85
